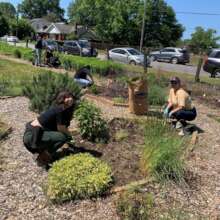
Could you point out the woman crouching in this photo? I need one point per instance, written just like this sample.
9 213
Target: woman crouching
48 132
179 105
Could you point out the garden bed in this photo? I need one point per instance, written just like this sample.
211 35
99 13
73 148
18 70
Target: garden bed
122 152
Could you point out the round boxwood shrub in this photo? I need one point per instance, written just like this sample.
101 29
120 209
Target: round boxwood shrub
77 177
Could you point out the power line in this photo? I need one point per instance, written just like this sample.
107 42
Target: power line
197 13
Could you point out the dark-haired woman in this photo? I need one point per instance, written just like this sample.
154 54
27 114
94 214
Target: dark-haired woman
48 132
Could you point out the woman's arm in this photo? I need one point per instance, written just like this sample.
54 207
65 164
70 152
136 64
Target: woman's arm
63 129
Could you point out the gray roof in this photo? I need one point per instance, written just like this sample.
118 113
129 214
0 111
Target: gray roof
39 24
62 28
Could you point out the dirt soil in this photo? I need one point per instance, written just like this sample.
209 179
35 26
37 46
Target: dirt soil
122 155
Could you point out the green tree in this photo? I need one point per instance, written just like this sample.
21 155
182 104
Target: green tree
4 26
39 8
120 21
203 39
7 9
22 28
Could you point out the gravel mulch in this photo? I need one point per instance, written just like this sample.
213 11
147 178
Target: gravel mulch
22 182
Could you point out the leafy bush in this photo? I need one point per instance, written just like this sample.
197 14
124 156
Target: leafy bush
162 151
133 205
78 177
92 126
17 53
101 67
94 89
43 88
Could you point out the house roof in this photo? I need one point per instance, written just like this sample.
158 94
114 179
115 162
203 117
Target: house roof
60 28
39 24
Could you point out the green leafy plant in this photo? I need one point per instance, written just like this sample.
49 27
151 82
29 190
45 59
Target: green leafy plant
92 126
94 90
42 90
133 205
17 53
78 177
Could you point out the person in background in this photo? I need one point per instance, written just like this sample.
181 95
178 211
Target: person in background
179 105
48 132
38 50
48 56
83 77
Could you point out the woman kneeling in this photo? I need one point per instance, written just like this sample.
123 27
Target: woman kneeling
179 104
47 133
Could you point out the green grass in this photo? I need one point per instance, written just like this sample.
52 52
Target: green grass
162 151
13 76
6 49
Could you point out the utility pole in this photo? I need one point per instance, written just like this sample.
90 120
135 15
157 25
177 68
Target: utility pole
143 25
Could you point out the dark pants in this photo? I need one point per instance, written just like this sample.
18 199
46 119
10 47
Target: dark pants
185 115
50 141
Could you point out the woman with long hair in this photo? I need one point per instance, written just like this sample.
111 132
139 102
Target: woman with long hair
48 132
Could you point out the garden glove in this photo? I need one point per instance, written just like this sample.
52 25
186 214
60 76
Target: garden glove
166 112
170 114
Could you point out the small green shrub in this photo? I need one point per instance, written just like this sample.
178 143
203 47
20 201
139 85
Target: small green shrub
120 100
134 205
94 90
92 126
17 53
162 151
78 177
42 90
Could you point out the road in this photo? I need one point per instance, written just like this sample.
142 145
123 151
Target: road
178 68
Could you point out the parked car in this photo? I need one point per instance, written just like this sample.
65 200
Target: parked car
12 39
4 38
212 63
80 47
52 45
172 55
127 55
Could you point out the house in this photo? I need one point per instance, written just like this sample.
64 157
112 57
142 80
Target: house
59 30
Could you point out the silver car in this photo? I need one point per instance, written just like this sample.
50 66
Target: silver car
127 55
171 54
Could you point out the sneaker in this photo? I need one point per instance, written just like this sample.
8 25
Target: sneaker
181 133
179 125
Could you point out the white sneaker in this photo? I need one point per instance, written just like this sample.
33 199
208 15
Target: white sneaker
181 133
179 125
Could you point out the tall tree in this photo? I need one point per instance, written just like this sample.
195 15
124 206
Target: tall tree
4 26
120 21
203 39
22 28
39 8
7 9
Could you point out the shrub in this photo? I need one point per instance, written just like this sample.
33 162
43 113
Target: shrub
92 126
17 53
133 205
94 89
162 151
42 90
101 67
78 177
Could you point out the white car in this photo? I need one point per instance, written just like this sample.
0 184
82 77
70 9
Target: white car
4 38
12 39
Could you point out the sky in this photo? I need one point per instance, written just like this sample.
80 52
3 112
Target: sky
189 21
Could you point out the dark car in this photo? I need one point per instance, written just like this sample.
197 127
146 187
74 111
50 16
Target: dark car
172 55
212 63
52 45
80 47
